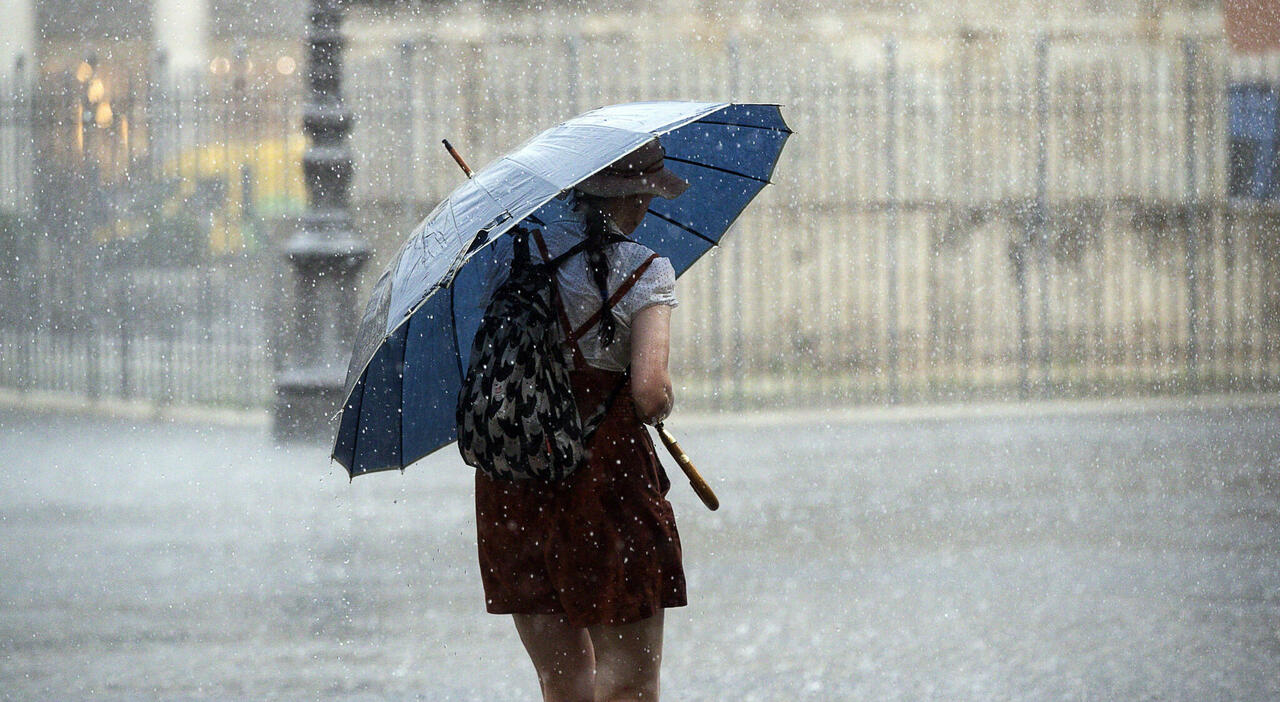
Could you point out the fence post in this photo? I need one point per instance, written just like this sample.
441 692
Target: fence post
1041 215
156 111
891 213
735 269
126 336
1034 234
573 71
28 282
168 335
408 213
1193 213
92 349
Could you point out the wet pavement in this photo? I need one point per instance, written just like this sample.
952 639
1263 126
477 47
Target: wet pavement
1049 552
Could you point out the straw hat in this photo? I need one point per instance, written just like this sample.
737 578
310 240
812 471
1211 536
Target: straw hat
641 172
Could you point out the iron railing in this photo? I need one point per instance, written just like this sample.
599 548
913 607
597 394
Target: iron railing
955 217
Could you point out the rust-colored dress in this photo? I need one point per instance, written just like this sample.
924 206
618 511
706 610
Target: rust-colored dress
601 546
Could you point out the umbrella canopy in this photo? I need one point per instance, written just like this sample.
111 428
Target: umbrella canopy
412 346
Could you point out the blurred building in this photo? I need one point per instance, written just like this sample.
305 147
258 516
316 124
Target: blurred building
981 199
57 34
17 34
393 20
1253 26
1253 100
151 104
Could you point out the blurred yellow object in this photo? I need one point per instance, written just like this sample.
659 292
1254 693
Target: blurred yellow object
102 116
271 169
228 187
96 90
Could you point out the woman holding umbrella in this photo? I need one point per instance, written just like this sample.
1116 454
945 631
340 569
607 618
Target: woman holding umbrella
587 566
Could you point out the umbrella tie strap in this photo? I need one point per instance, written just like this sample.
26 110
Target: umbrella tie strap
593 422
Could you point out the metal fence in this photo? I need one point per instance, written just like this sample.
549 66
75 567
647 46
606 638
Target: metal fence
164 336
955 216
140 234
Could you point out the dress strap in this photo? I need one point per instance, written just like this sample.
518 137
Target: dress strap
572 335
617 296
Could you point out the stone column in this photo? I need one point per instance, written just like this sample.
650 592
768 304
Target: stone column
180 28
18 72
17 39
325 253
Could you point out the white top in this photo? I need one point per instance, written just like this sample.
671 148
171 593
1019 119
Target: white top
581 296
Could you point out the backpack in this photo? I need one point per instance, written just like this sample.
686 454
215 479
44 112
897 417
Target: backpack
516 414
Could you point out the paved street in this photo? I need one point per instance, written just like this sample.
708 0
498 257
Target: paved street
1059 552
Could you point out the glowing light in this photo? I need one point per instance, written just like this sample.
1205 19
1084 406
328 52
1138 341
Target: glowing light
84 71
220 65
79 130
102 117
96 90
286 65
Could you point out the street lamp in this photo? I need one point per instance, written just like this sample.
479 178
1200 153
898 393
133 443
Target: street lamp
325 253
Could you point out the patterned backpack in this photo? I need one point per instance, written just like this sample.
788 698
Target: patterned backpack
517 418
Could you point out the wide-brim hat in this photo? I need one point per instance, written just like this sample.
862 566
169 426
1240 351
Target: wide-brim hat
641 172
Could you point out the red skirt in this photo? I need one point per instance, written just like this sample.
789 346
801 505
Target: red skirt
601 546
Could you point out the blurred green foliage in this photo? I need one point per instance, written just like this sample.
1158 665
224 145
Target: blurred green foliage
166 241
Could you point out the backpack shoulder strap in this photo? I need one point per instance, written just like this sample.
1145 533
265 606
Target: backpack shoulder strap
554 263
617 296
579 361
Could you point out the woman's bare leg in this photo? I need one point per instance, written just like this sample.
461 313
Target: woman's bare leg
628 658
561 654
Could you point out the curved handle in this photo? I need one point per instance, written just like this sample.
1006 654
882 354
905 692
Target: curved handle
699 485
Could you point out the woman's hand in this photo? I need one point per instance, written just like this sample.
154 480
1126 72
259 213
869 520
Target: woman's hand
650 349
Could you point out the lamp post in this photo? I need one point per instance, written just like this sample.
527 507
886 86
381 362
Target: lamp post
325 253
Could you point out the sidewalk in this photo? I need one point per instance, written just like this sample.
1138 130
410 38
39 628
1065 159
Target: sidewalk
1126 551
38 401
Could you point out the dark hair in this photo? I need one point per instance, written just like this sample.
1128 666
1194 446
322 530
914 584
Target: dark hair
599 234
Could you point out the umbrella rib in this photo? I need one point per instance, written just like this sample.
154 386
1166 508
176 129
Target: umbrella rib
781 130
685 227
457 351
398 449
719 168
355 439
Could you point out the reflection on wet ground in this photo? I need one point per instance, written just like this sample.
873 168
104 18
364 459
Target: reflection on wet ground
1108 554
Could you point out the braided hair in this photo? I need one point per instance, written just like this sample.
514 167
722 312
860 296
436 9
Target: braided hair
600 232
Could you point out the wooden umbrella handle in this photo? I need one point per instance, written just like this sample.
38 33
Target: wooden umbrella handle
699 485
457 157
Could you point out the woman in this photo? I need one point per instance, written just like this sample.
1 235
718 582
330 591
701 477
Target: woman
587 565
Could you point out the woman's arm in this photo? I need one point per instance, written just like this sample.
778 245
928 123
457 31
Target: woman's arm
650 348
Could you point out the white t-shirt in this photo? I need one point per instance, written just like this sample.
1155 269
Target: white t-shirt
581 295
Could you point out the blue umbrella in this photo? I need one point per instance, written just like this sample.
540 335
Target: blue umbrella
412 346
